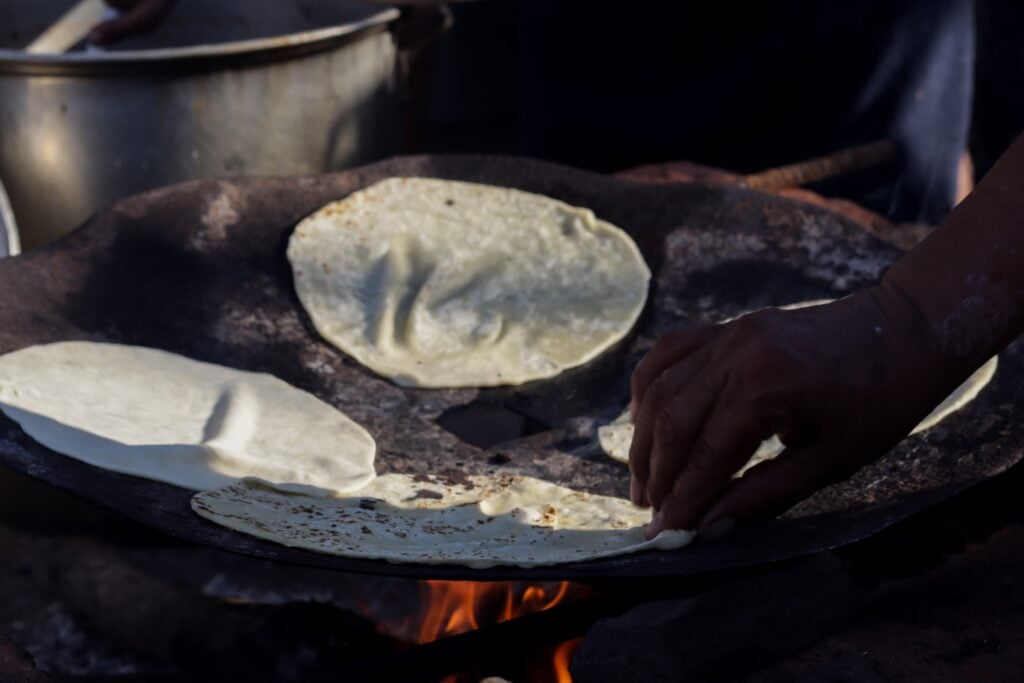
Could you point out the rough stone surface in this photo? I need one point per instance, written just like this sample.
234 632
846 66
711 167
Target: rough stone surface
715 632
16 666
963 621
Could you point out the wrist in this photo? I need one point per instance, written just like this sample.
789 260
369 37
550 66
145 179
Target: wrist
917 319
966 320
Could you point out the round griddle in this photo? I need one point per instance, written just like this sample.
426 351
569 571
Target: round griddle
199 269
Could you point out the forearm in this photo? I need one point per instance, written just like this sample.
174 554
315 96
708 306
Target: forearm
966 281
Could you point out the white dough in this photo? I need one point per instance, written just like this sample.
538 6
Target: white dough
616 437
481 521
165 417
436 283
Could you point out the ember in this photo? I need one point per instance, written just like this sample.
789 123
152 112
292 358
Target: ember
453 607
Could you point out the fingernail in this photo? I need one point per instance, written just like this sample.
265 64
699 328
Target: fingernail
718 529
656 526
632 410
634 491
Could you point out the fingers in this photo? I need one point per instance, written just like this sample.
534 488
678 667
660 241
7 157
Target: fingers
139 17
724 442
774 486
660 392
675 429
669 349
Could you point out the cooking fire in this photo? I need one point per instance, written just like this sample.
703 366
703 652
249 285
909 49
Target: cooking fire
454 607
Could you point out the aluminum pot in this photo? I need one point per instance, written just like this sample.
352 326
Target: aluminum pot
263 87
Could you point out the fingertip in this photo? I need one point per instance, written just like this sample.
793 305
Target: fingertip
672 514
655 527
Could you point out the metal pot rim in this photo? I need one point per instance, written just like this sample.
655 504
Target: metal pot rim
196 56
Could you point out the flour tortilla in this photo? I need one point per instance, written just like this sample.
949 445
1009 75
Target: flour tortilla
616 437
436 283
480 521
165 417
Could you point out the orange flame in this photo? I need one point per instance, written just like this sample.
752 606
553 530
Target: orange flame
453 607
563 656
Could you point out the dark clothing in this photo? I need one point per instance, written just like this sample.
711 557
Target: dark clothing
742 86
998 115
748 86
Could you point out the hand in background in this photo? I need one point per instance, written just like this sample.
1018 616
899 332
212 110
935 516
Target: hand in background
137 16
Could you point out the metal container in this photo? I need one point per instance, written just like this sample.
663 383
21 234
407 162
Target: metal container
223 88
9 242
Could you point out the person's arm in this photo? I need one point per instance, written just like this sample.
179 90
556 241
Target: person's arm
137 16
840 383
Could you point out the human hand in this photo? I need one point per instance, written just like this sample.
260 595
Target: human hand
137 16
840 384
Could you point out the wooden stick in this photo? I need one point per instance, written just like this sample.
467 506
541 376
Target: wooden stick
821 168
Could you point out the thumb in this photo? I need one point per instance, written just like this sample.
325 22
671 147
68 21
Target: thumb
772 487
